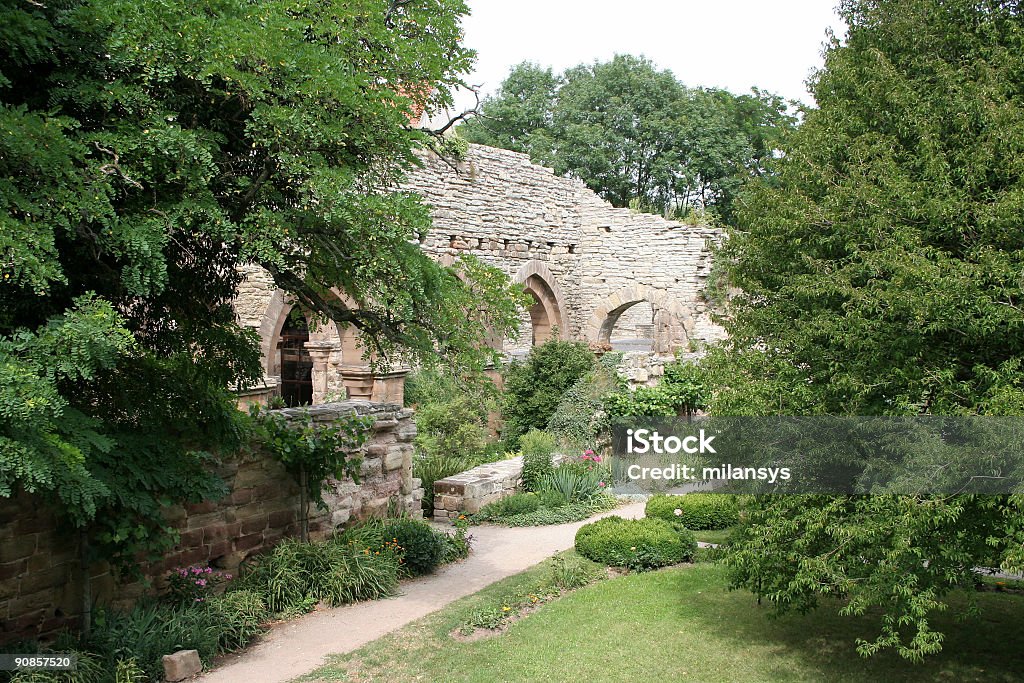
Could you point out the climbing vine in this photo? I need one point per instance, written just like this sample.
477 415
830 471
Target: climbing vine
311 451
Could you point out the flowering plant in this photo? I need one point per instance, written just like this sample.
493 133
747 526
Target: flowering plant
187 585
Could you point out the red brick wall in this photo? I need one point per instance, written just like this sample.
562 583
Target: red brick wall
40 586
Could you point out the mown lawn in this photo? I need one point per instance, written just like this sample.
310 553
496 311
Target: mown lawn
678 625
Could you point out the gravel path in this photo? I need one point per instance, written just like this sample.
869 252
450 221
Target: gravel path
297 647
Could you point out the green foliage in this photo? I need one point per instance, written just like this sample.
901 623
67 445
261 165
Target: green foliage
429 469
422 548
581 419
875 275
240 616
570 573
534 389
451 413
148 632
538 449
696 511
637 544
459 544
313 451
415 544
300 574
635 134
574 484
516 504
683 390
552 510
146 157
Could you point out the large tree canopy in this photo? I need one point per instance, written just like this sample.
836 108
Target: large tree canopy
147 150
634 134
879 273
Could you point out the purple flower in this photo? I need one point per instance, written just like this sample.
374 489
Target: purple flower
200 582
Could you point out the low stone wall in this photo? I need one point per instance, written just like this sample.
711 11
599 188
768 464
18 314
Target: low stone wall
40 576
471 490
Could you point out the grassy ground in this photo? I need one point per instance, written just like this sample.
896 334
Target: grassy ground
719 536
676 625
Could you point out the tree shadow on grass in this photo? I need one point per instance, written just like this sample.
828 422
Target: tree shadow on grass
988 646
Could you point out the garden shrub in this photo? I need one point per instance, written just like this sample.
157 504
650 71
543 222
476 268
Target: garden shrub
451 413
516 504
417 546
538 449
697 511
573 484
581 419
683 390
637 544
297 575
560 514
240 615
149 631
534 388
421 547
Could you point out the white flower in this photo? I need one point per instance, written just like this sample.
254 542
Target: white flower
678 512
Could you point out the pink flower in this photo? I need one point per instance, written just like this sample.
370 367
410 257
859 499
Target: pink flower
601 484
588 452
597 458
200 582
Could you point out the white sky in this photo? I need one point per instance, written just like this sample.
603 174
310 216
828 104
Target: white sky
731 44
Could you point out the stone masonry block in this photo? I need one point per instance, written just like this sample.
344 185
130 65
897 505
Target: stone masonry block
181 665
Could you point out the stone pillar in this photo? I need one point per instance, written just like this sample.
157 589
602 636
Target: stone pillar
320 354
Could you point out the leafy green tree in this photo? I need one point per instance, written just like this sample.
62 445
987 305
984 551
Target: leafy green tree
518 116
150 149
534 388
879 273
635 134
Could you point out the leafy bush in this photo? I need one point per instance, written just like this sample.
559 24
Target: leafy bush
569 573
458 545
574 484
682 391
421 547
414 544
581 418
516 504
295 573
559 514
538 449
240 615
697 511
150 631
534 389
637 544
451 413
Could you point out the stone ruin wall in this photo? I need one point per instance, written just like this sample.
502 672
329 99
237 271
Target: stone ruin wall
40 588
500 207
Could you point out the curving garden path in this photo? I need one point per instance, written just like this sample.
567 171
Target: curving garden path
297 647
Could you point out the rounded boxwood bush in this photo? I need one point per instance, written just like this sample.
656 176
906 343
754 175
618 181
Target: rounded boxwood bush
697 511
637 544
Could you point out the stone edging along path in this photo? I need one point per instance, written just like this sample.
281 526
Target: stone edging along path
299 646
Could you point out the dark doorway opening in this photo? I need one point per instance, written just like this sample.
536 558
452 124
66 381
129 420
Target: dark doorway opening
296 363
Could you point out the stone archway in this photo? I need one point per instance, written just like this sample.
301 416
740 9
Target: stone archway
672 324
547 312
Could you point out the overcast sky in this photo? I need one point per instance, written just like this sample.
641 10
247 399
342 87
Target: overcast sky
731 44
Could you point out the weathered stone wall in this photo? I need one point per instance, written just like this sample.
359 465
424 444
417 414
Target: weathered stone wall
586 263
40 587
598 260
469 491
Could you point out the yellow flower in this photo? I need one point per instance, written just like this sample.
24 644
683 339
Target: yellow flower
506 609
